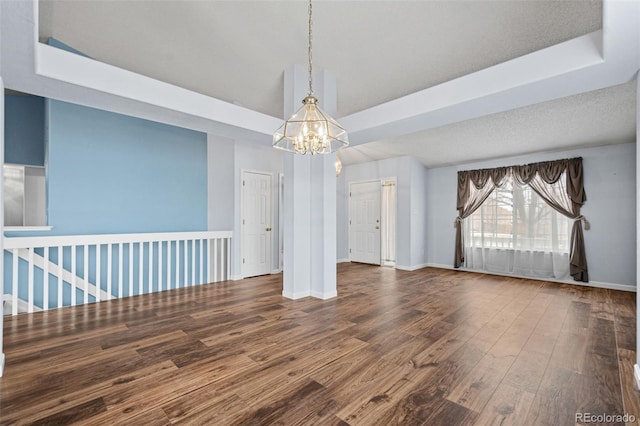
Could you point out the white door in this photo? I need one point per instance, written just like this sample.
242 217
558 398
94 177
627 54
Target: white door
256 224
364 222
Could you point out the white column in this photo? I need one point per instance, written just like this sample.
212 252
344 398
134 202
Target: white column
323 202
309 201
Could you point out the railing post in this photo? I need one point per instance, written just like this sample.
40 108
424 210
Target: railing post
60 279
98 272
85 275
45 280
120 275
14 282
130 246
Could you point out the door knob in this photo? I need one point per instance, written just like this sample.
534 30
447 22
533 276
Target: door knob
268 229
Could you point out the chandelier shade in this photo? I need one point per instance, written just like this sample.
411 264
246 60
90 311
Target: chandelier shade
310 130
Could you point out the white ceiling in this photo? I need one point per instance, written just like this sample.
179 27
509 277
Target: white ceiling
236 51
379 51
601 117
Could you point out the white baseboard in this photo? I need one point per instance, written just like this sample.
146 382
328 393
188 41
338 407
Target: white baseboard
440 265
343 260
295 296
276 271
2 364
636 374
611 286
235 277
412 268
324 296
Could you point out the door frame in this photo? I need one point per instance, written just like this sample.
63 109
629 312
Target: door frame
242 247
393 179
356 182
383 229
280 222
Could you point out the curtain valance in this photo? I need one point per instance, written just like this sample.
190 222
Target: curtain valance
474 186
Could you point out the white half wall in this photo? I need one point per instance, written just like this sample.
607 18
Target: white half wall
610 184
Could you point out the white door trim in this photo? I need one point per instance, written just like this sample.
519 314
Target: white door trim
280 222
384 221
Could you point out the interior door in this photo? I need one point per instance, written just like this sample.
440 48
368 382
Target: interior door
364 222
256 224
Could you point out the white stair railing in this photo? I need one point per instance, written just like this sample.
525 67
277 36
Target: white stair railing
52 272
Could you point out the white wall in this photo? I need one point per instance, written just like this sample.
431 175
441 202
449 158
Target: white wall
411 206
220 173
636 368
226 159
251 157
1 218
419 213
610 184
1 212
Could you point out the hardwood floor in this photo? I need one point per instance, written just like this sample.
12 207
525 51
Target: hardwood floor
426 347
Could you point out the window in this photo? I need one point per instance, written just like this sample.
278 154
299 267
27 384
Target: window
24 195
516 231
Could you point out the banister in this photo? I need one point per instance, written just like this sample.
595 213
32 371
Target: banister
68 240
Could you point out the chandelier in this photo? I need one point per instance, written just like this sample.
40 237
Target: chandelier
338 166
310 130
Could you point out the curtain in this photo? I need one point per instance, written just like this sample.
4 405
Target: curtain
559 183
474 187
516 232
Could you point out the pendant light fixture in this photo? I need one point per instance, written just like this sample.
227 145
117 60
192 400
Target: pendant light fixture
310 130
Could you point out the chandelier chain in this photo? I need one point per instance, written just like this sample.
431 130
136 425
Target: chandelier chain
310 53
310 130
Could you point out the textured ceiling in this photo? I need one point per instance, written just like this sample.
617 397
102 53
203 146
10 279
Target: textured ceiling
236 51
602 117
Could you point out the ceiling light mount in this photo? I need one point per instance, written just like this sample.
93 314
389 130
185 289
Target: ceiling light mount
310 130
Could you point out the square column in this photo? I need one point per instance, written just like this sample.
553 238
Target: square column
309 201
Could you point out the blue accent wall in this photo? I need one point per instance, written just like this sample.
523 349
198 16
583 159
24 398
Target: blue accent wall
110 173
24 130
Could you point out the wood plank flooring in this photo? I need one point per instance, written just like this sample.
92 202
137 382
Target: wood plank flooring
433 347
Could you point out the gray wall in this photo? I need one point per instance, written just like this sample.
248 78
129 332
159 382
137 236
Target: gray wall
610 184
